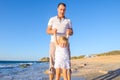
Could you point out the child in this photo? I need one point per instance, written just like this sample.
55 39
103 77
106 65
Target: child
62 56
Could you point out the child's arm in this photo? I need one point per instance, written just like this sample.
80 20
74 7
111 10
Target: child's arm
67 33
55 37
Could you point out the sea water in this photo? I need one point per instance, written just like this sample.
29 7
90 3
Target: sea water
15 70
25 70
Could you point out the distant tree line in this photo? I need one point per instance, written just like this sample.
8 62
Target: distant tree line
117 52
46 59
78 57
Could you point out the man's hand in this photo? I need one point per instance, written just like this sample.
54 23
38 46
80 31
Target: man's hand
69 32
54 31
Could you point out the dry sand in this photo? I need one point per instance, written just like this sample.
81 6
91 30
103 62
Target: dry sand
90 68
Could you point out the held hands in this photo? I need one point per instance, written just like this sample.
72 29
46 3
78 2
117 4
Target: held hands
68 31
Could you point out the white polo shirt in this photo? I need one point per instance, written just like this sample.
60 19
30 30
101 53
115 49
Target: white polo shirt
60 25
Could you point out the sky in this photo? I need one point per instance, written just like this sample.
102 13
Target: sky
23 23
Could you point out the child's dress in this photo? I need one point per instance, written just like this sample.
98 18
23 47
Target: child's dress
62 58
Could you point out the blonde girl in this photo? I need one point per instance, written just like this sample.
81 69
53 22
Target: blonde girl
62 57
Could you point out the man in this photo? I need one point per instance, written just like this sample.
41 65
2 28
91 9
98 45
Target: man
63 26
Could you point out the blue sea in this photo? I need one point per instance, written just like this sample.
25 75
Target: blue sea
23 70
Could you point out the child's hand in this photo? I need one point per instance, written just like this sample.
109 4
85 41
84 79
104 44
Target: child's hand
67 33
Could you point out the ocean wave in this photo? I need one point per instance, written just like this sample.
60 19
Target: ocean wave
33 72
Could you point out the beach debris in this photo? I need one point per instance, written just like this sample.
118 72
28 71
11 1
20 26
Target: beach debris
109 76
83 65
102 71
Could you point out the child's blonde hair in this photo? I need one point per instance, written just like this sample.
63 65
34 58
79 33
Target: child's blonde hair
63 39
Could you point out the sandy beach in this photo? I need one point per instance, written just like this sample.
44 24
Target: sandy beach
93 67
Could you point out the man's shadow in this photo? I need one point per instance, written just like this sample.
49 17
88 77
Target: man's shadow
109 76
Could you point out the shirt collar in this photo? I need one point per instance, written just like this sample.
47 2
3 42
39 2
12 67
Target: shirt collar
62 18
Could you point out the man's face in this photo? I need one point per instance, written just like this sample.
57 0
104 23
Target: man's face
61 11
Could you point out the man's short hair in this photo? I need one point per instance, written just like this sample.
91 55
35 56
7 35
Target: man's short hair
61 4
